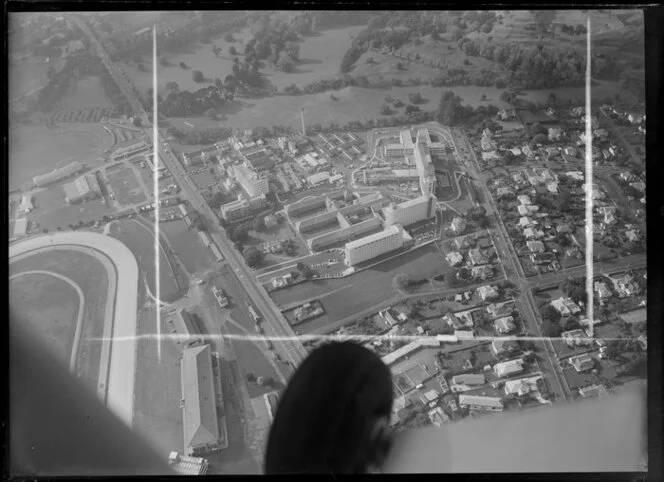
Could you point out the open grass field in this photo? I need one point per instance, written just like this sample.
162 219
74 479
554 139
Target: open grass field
342 297
140 241
188 246
91 276
50 307
87 92
52 211
28 75
126 187
36 150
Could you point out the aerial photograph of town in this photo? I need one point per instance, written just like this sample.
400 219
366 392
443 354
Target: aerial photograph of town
200 199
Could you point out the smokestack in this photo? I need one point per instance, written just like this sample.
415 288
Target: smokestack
304 129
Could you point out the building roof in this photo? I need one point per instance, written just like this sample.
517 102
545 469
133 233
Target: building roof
186 465
20 227
501 345
200 424
508 367
634 316
521 386
505 324
54 175
469 379
480 400
389 231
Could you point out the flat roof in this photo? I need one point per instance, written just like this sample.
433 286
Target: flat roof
389 231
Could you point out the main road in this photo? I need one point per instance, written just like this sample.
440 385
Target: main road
277 326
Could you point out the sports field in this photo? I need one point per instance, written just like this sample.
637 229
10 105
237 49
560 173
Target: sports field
188 246
126 187
36 150
342 297
91 276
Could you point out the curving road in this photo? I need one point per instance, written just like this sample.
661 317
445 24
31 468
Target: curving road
122 345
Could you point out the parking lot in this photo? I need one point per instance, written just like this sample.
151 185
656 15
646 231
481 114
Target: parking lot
126 188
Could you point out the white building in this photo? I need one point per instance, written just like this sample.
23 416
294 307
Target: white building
487 292
409 212
252 183
458 225
235 210
26 204
504 325
480 402
507 368
20 227
454 258
374 245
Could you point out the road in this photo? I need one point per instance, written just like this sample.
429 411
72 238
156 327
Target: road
277 326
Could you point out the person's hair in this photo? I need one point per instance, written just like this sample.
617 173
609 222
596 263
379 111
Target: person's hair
325 416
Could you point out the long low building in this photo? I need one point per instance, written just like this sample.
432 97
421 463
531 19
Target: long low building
343 234
56 175
20 227
83 188
411 211
374 245
480 402
200 422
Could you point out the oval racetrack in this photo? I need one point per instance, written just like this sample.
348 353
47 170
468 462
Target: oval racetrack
122 325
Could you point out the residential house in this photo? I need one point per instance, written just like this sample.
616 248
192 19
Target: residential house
552 187
518 178
601 290
575 338
639 186
454 258
576 175
526 209
500 346
458 322
524 199
476 257
504 192
627 176
529 153
631 235
584 321
490 156
507 368
555 133
504 325
536 246
516 151
636 118
643 342
570 151
542 258
438 417
565 306
625 285
582 363
592 391
525 221
481 403
563 228
522 386
597 193
487 292
531 233
482 272
458 225
601 133
578 111
496 310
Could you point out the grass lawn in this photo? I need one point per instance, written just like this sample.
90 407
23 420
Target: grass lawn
36 150
126 187
188 246
87 92
91 276
50 307
342 297
52 211
140 241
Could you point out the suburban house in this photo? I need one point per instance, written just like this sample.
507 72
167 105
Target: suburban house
631 235
563 229
601 290
536 246
487 292
565 306
469 379
482 272
454 258
522 386
500 346
575 338
593 391
496 310
625 285
476 257
481 403
524 199
507 368
582 363
458 225
504 325
555 133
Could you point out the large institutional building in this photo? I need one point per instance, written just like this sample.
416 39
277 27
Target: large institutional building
418 152
200 421
410 212
58 174
374 245
253 184
82 189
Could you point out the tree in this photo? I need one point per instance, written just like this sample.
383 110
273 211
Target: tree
285 63
172 86
210 113
253 256
232 50
164 62
251 377
269 382
229 38
136 121
410 109
182 65
385 110
540 139
197 76
240 233
401 282
550 313
415 98
258 224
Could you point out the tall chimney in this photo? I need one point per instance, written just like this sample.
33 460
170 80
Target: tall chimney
304 129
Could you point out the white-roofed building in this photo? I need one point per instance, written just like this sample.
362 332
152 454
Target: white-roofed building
82 189
374 245
504 325
26 204
20 227
507 368
454 258
488 292
481 403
